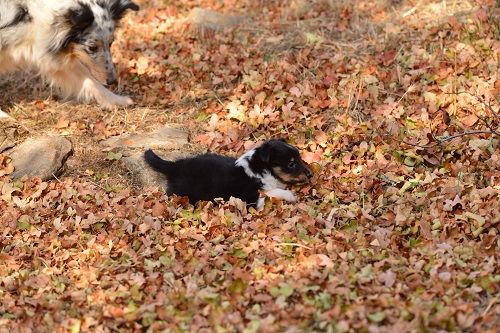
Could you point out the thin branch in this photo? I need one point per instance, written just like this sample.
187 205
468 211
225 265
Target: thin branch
487 124
481 99
440 141
492 302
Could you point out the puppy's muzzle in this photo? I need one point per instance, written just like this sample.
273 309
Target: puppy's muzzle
308 172
304 177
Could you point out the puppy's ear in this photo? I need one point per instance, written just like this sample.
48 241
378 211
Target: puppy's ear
264 153
282 140
119 7
80 18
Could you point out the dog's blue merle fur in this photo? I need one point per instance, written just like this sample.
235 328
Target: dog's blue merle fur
21 15
93 23
207 177
68 41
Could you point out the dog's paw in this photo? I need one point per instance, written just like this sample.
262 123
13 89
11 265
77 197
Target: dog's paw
281 194
260 204
122 101
127 101
114 101
289 196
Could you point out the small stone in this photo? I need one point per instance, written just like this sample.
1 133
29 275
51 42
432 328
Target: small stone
445 276
143 174
297 9
207 19
42 157
11 132
164 138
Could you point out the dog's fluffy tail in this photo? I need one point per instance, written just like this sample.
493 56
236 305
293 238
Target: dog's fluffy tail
157 163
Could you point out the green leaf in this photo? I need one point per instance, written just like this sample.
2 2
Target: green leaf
202 116
75 328
253 327
131 312
376 317
238 286
284 289
366 272
165 260
414 242
150 265
478 218
313 38
429 97
23 222
239 253
370 79
136 292
114 156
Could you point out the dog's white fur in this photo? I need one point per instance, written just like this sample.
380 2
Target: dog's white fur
272 187
27 44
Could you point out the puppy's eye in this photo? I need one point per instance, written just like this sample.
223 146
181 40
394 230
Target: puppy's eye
93 48
292 164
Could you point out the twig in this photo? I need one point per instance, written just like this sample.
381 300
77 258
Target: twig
487 124
440 141
409 12
481 99
294 244
217 98
493 301
55 177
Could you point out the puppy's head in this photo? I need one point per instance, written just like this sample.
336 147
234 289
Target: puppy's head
86 32
283 161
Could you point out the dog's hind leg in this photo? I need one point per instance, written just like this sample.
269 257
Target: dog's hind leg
77 81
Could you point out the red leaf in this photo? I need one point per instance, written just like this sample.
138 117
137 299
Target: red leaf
388 57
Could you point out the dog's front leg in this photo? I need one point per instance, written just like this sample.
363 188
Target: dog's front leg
78 81
93 89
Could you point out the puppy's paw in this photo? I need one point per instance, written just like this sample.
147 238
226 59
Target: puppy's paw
289 196
260 204
282 194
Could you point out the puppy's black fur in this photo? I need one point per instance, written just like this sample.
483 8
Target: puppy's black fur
206 177
211 176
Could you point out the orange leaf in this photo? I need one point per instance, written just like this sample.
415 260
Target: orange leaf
158 209
470 120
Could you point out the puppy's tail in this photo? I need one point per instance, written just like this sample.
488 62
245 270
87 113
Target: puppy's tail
157 163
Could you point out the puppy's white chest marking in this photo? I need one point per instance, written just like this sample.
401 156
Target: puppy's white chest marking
270 182
272 186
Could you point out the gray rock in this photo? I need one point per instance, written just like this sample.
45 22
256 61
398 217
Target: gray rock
170 142
143 174
11 132
42 157
206 19
164 138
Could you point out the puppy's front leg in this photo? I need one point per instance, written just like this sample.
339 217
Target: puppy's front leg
281 194
78 81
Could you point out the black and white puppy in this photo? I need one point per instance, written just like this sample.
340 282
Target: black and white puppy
269 167
67 41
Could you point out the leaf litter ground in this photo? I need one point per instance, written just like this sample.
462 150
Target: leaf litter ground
397 232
